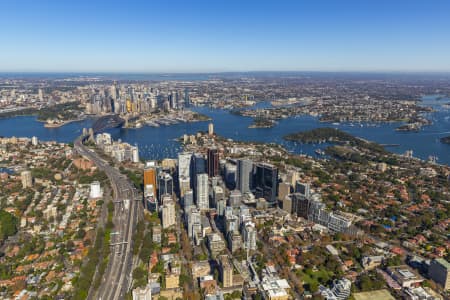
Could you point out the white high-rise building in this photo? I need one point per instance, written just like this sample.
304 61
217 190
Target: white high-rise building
210 129
168 212
194 221
249 236
27 179
135 154
218 195
185 185
184 163
34 141
202 192
96 191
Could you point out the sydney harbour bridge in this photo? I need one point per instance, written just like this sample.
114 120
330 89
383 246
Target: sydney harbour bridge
106 122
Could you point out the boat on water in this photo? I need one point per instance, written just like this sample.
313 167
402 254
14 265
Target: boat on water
319 152
151 123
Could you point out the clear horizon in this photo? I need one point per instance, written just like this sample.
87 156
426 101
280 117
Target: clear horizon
125 72
202 37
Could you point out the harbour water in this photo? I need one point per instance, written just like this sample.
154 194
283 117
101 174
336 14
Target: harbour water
160 142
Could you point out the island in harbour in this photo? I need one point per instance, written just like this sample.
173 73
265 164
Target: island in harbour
340 140
262 123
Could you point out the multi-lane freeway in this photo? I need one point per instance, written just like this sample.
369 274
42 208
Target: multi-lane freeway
117 278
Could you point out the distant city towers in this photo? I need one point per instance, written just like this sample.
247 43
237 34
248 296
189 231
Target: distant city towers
41 95
187 100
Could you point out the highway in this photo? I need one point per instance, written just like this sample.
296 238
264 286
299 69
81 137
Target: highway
117 278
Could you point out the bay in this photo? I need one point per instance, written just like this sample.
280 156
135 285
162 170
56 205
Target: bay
160 142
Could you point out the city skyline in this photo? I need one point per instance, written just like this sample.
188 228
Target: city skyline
180 37
223 150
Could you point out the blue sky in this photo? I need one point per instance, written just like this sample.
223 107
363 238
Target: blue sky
224 35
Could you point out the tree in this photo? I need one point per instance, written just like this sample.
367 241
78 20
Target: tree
8 224
140 276
80 233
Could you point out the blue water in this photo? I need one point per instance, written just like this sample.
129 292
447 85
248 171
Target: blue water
28 126
6 170
158 143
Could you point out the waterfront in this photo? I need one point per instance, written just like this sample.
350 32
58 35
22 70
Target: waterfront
157 143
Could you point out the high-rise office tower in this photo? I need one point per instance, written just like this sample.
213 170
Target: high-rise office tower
220 207
284 189
300 205
202 192
185 185
266 182
226 271
114 91
177 99
244 175
249 236
112 105
213 162
184 162
230 175
302 188
198 166
173 100
193 221
292 177
165 185
168 211
231 223
188 199
218 195
150 178
287 204
187 100
150 201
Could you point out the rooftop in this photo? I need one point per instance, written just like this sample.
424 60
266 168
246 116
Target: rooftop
444 263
